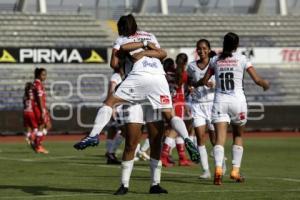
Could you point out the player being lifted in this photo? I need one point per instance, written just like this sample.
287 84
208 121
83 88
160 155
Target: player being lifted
230 102
146 82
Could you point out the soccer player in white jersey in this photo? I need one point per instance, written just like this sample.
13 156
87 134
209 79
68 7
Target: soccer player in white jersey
202 101
145 83
230 102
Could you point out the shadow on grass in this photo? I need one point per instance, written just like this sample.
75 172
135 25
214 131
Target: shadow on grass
42 190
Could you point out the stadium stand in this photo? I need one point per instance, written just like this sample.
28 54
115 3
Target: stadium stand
52 30
182 30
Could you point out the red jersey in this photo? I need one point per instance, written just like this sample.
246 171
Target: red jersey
39 91
28 101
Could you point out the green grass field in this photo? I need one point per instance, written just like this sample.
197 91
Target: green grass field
271 167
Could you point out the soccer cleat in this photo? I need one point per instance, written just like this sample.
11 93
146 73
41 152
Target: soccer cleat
192 150
86 142
41 149
112 159
121 191
165 162
144 156
185 162
218 176
205 175
237 177
156 189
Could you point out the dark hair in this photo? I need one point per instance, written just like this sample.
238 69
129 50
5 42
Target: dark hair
38 71
230 43
168 63
28 86
181 59
127 25
212 53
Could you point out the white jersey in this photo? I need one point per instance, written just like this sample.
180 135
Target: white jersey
145 64
229 74
116 78
202 93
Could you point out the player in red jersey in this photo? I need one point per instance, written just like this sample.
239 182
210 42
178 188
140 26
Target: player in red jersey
40 109
30 122
177 78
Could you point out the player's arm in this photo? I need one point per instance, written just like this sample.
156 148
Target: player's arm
179 78
257 79
151 51
204 81
114 59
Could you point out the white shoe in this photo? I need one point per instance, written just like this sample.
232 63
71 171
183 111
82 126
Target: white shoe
205 175
224 167
143 155
136 159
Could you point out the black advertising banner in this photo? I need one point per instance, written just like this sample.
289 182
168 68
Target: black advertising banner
53 55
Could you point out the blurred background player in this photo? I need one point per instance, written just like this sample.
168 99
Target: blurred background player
177 78
40 109
30 121
230 104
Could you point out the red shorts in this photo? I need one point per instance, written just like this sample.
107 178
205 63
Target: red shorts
38 115
179 106
30 120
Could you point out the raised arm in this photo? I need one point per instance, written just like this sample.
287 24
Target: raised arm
257 79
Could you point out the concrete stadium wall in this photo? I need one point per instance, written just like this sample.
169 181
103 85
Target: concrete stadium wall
269 118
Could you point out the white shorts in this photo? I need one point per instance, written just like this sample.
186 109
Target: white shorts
234 112
146 87
201 113
137 113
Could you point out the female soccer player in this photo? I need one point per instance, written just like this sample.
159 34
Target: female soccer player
202 101
177 79
30 122
145 83
230 102
40 109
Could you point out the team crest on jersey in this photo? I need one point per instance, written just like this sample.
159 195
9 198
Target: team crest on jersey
242 116
164 99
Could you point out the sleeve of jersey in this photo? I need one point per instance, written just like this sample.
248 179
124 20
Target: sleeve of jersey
247 64
117 43
211 67
154 40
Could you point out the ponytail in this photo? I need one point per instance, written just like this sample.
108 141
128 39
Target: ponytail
230 44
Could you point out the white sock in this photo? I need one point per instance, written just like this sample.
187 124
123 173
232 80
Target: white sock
45 132
179 126
179 140
146 145
109 143
219 155
127 167
39 133
117 142
169 141
28 134
137 149
102 118
237 154
155 167
204 157
173 145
